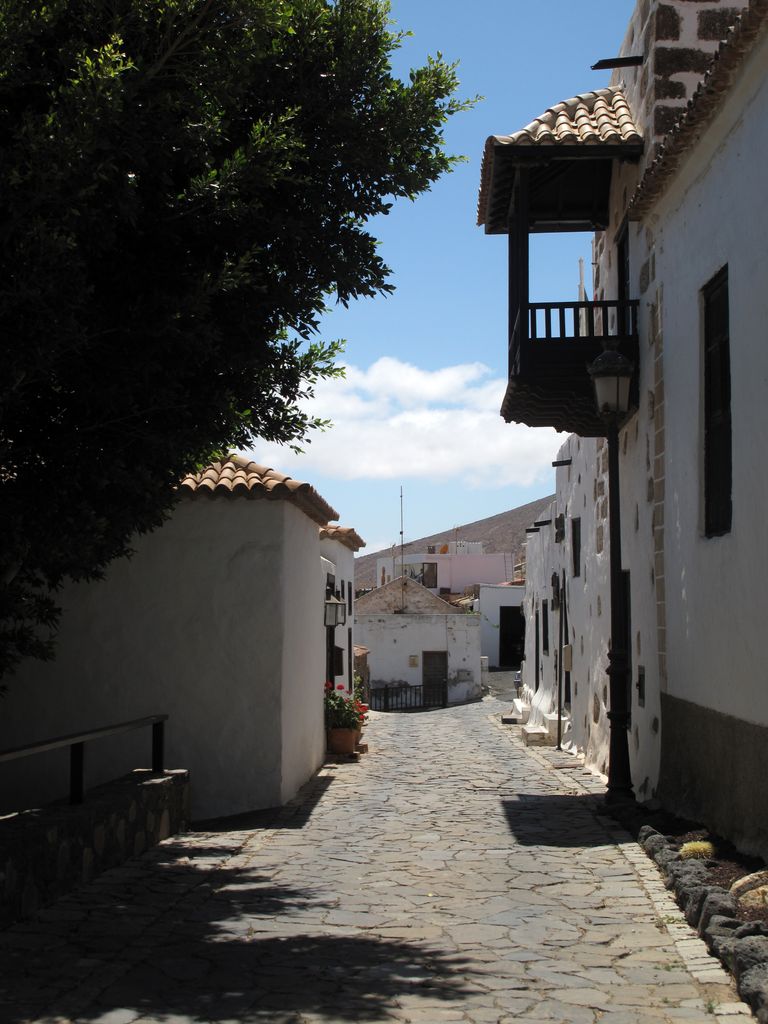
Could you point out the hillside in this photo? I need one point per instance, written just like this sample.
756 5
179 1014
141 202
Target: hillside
503 532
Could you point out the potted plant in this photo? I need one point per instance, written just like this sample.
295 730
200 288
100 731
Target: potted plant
344 718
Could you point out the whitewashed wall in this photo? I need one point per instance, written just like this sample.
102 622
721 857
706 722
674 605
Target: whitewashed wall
344 560
204 623
582 491
712 215
488 605
587 602
393 640
302 679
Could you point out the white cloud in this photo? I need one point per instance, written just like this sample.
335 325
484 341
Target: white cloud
395 421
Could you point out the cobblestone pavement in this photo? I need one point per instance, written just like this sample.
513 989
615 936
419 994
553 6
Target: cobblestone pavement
452 875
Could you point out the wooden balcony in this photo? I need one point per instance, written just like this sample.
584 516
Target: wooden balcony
551 345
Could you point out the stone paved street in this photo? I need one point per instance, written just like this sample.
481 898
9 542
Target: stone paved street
451 875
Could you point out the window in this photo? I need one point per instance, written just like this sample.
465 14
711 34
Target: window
717 407
338 661
423 572
545 626
576 545
560 528
429 577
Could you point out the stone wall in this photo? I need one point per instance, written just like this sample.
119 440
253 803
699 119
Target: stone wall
403 595
45 853
677 38
713 770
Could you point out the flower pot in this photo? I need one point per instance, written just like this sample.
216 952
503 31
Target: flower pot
342 741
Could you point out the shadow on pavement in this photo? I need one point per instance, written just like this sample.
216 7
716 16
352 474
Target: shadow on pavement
334 978
295 814
180 936
537 819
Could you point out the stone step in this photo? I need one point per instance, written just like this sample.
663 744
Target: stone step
518 714
520 710
551 724
331 758
537 736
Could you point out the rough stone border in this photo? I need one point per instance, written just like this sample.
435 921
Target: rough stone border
46 853
711 910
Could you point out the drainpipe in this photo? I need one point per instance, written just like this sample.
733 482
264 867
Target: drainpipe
560 671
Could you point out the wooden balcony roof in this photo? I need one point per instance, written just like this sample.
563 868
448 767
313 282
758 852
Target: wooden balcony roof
570 148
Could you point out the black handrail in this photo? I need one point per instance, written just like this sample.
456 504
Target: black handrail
76 743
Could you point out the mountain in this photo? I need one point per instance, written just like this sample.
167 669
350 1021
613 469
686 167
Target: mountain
503 532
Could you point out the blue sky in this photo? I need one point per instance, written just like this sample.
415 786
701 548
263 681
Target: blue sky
426 366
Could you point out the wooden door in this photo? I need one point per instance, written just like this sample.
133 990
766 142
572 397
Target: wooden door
434 678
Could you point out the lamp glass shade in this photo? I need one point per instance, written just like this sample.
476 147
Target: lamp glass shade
332 608
611 375
612 393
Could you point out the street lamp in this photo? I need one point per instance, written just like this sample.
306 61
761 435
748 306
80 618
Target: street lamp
611 375
335 611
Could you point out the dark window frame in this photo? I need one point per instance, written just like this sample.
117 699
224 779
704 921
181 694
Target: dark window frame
429 572
718 450
576 545
545 627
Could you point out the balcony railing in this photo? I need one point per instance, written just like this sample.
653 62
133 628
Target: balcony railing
538 323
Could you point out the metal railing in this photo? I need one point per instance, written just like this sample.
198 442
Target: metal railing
76 743
410 698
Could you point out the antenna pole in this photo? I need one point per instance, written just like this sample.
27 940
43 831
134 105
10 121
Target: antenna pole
402 554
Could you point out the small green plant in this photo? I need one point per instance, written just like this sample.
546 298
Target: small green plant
710 1006
699 849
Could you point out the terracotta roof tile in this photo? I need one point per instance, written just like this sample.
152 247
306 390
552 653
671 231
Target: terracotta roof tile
702 106
591 118
598 118
238 477
344 534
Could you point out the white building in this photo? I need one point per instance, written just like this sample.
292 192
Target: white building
447 568
216 620
668 165
416 639
502 623
338 545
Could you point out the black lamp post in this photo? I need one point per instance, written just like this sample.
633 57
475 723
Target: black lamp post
611 375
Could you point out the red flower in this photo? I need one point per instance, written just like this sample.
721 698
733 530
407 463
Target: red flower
329 686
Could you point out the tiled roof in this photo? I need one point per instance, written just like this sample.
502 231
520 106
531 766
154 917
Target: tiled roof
238 477
602 116
702 106
598 118
346 535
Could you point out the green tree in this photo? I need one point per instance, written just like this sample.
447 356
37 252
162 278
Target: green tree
183 184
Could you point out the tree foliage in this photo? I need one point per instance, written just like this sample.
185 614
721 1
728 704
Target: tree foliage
183 183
